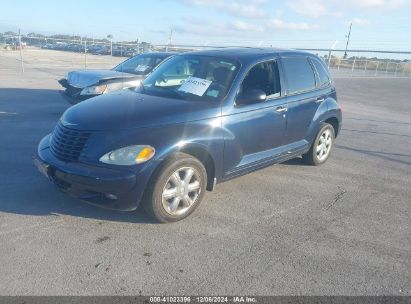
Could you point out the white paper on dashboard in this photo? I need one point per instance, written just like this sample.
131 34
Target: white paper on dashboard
141 68
195 86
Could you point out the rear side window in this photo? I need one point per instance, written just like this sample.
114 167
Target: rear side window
322 72
300 75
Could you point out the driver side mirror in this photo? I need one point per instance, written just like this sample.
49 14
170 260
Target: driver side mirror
251 96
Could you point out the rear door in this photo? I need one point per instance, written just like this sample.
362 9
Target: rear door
304 96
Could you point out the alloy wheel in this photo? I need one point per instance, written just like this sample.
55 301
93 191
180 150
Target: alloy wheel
324 145
181 191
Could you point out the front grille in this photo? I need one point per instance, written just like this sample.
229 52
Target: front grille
67 144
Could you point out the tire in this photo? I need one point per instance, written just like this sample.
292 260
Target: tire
172 194
321 147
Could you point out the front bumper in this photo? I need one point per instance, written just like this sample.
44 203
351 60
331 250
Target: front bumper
106 187
72 94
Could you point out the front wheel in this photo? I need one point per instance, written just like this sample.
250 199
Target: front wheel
321 148
177 189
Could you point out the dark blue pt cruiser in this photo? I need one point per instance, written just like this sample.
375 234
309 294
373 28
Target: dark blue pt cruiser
199 119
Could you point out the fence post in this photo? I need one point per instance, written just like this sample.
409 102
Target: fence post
353 66
329 59
365 68
85 53
386 69
376 68
396 68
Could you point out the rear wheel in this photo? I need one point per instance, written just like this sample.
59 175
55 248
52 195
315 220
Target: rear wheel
177 189
321 147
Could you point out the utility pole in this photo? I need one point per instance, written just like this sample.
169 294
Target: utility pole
111 43
169 39
348 41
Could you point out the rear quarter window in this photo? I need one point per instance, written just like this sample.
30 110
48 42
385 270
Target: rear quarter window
299 73
322 72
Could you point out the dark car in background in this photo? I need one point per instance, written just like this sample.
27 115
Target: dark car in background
84 84
199 119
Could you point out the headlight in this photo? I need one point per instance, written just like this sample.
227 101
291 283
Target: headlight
128 156
109 87
94 90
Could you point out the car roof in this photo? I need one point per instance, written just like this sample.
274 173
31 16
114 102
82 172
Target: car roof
248 53
160 54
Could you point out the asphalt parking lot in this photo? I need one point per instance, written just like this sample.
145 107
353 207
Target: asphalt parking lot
290 229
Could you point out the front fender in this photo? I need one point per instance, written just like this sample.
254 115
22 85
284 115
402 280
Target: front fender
203 139
202 135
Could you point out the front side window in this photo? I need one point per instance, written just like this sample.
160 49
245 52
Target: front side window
299 73
322 72
192 77
139 65
265 77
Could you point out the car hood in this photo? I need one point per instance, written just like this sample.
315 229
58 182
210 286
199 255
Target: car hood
85 78
127 109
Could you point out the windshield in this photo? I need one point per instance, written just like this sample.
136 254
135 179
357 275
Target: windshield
192 77
139 65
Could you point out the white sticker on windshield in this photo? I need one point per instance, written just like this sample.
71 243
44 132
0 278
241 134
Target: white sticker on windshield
142 68
195 86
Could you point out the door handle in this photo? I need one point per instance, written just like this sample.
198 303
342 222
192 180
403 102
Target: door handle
319 99
281 109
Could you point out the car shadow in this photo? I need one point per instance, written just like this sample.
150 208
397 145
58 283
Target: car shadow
378 121
46 200
376 132
379 154
394 157
296 162
27 115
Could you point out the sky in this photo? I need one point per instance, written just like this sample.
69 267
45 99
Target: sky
377 24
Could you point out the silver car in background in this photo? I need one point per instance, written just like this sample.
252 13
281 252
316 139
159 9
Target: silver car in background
84 84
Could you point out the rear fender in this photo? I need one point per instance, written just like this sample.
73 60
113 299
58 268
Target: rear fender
327 109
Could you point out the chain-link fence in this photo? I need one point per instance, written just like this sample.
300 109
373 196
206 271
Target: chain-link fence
83 47
85 53
360 67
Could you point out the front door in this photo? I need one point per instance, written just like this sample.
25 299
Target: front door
254 132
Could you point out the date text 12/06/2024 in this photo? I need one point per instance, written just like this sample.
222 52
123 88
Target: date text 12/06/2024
203 299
